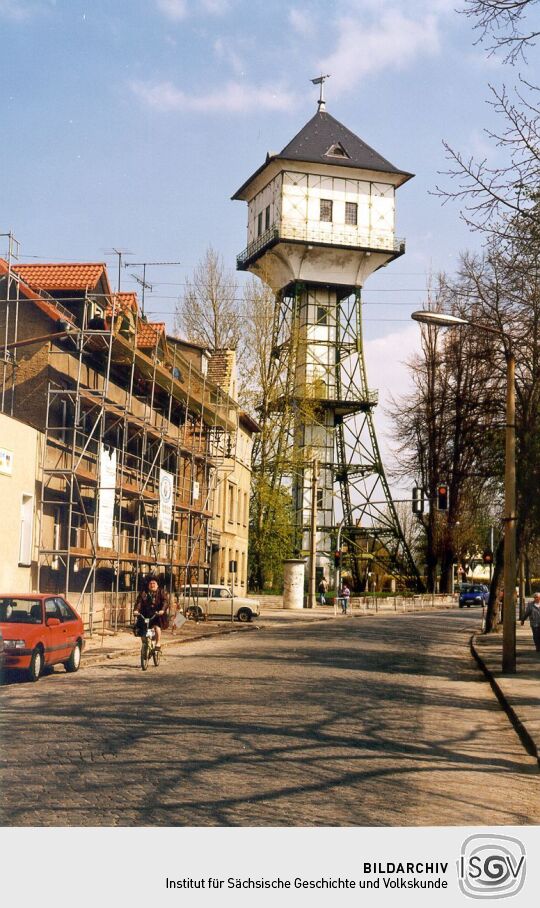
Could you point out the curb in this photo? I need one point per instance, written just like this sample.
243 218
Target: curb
521 730
100 658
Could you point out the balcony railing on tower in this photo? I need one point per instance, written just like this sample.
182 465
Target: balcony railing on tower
323 235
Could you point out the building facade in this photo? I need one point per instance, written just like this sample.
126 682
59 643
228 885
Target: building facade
230 522
21 449
134 436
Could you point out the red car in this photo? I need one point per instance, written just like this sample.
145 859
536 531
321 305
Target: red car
40 629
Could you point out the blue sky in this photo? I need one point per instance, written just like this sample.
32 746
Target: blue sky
130 123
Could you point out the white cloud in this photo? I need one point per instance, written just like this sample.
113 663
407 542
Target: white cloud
385 361
393 42
224 51
233 97
22 10
180 9
301 22
387 372
215 7
173 9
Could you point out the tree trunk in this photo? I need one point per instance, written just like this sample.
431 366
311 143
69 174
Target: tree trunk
491 611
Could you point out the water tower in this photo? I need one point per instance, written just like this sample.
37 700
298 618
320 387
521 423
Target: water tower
321 217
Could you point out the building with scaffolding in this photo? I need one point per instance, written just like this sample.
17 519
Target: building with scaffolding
136 437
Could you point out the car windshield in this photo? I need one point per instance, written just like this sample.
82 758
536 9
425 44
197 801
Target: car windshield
476 589
20 611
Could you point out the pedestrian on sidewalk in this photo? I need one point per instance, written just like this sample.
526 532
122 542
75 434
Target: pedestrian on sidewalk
323 588
532 612
344 597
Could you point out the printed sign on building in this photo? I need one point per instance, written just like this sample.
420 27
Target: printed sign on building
166 481
106 494
6 461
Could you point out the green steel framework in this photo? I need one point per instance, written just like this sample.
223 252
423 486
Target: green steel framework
342 406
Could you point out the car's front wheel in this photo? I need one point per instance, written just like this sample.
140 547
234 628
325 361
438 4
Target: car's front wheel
36 664
244 614
74 661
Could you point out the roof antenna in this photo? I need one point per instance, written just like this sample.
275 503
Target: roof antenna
320 80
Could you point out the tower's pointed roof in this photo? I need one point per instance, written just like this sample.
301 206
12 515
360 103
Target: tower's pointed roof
324 140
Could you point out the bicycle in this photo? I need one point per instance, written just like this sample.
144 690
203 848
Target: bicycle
148 645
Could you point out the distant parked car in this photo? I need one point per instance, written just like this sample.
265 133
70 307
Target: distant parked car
216 601
39 630
473 594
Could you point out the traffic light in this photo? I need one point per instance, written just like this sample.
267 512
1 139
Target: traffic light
337 559
442 497
418 501
487 556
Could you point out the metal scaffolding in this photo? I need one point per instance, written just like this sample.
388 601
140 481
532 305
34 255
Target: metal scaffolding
109 404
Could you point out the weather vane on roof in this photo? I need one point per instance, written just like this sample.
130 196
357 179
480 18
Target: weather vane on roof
320 80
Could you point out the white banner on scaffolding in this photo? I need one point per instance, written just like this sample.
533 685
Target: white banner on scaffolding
106 494
166 484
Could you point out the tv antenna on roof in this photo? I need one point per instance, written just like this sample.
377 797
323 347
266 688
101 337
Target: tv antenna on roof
120 253
320 80
142 281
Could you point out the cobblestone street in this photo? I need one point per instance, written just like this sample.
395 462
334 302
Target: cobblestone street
381 721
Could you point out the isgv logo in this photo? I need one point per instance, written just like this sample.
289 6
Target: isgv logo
491 866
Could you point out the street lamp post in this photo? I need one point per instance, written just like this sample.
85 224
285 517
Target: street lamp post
509 610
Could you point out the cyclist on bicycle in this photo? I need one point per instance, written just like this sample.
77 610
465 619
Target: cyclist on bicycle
152 603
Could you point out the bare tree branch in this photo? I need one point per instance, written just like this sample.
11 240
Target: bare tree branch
501 24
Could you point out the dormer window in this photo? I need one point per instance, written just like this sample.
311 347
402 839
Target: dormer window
336 151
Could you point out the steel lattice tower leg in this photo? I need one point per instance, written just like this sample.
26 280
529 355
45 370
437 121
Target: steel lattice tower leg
326 415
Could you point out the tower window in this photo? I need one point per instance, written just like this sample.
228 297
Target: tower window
351 213
259 223
267 218
326 210
322 315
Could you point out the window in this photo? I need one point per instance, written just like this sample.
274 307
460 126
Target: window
337 151
230 513
322 315
320 498
27 523
351 213
259 223
64 610
51 610
326 210
267 218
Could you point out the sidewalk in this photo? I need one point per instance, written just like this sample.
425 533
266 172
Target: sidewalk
518 694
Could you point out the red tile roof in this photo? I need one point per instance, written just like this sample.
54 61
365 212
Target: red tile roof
127 302
148 334
67 276
46 305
